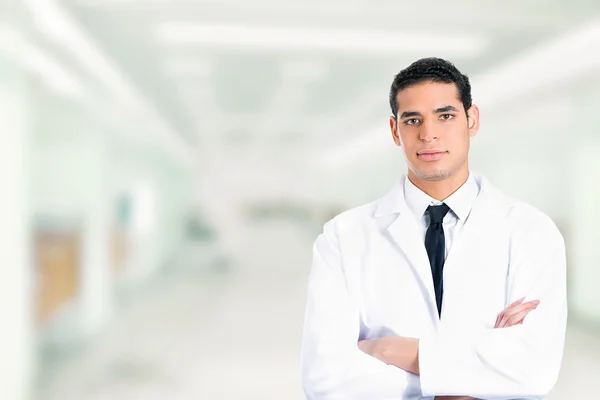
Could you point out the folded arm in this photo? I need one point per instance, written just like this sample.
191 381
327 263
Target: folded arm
521 361
333 367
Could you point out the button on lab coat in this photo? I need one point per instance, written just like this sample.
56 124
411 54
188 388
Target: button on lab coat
371 278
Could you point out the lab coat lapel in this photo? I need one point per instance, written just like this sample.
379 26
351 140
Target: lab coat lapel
479 228
404 232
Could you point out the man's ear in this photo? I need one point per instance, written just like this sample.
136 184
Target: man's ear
394 130
473 120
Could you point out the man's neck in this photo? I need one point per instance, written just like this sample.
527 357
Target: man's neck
442 189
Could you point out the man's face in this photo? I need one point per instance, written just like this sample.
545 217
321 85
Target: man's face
433 130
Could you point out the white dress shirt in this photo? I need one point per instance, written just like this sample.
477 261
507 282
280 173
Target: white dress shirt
371 278
460 203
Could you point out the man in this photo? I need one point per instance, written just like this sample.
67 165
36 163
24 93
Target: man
421 294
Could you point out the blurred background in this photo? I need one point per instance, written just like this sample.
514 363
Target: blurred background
165 166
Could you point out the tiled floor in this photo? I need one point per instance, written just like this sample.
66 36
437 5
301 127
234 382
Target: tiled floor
201 335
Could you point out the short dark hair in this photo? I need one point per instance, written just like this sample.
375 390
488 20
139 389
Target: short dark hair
430 70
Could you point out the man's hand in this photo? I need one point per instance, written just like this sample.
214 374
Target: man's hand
515 313
399 351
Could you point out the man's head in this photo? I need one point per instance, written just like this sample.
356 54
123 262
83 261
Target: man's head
433 118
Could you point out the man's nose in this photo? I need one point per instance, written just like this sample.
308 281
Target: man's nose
427 133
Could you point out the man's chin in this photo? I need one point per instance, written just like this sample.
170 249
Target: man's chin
432 176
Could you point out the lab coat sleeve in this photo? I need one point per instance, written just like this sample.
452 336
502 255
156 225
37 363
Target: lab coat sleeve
333 367
522 361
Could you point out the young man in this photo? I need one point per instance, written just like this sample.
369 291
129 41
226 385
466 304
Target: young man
421 294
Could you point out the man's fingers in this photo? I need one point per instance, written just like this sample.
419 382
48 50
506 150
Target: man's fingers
503 313
500 317
521 307
506 314
515 303
517 310
517 319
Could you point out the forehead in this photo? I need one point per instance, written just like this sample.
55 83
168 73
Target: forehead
427 96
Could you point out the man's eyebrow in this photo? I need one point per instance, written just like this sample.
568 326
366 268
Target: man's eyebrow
407 114
445 109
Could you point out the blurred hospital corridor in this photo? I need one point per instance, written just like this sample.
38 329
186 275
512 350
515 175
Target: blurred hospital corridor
201 334
166 166
226 334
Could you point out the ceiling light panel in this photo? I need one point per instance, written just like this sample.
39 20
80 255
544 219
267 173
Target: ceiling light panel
351 41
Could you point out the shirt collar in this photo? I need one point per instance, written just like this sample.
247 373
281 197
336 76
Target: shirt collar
460 202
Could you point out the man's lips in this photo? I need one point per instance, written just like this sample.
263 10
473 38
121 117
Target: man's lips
431 154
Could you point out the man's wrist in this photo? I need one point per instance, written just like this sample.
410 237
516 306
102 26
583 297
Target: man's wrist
403 353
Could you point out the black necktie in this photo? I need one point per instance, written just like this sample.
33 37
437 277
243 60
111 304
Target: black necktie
435 244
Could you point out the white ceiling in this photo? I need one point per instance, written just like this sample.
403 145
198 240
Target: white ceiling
270 86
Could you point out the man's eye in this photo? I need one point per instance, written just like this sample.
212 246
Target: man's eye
412 121
446 116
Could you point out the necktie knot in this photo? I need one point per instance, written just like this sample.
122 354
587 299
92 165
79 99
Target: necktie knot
437 213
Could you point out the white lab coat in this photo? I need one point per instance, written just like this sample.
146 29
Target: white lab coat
371 278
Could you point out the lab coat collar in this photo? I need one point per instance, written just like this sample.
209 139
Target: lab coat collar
394 201
460 202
